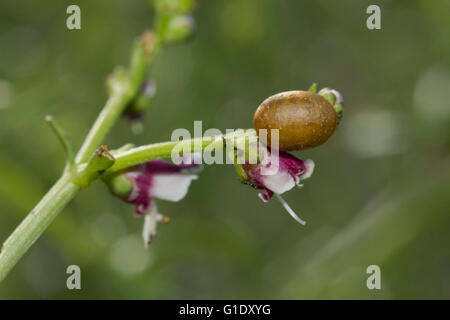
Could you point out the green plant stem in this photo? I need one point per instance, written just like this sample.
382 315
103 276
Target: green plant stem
36 222
106 119
124 88
134 156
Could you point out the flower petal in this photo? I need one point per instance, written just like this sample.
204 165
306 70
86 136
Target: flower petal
277 173
139 194
171 187
309 169
151 219
279 183
160 179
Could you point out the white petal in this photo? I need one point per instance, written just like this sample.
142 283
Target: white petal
280 182
151 219
171 187
309 164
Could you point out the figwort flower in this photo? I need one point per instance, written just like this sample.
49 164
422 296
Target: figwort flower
156 179
276 174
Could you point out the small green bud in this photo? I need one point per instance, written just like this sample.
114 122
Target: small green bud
335 98
140 58
119 185
140 104
179 28
117 81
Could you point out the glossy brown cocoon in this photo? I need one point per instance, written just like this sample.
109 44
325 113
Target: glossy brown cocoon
304 119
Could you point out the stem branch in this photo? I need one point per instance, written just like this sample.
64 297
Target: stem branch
36 222
134 156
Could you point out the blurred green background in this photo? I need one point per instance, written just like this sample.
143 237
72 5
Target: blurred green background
379 195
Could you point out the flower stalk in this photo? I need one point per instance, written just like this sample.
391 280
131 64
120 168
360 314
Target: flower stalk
131 157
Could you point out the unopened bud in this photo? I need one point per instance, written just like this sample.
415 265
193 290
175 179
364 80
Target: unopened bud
137 108
335 98
179 28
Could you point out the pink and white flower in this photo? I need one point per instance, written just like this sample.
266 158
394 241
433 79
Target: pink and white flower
289 172
158 179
